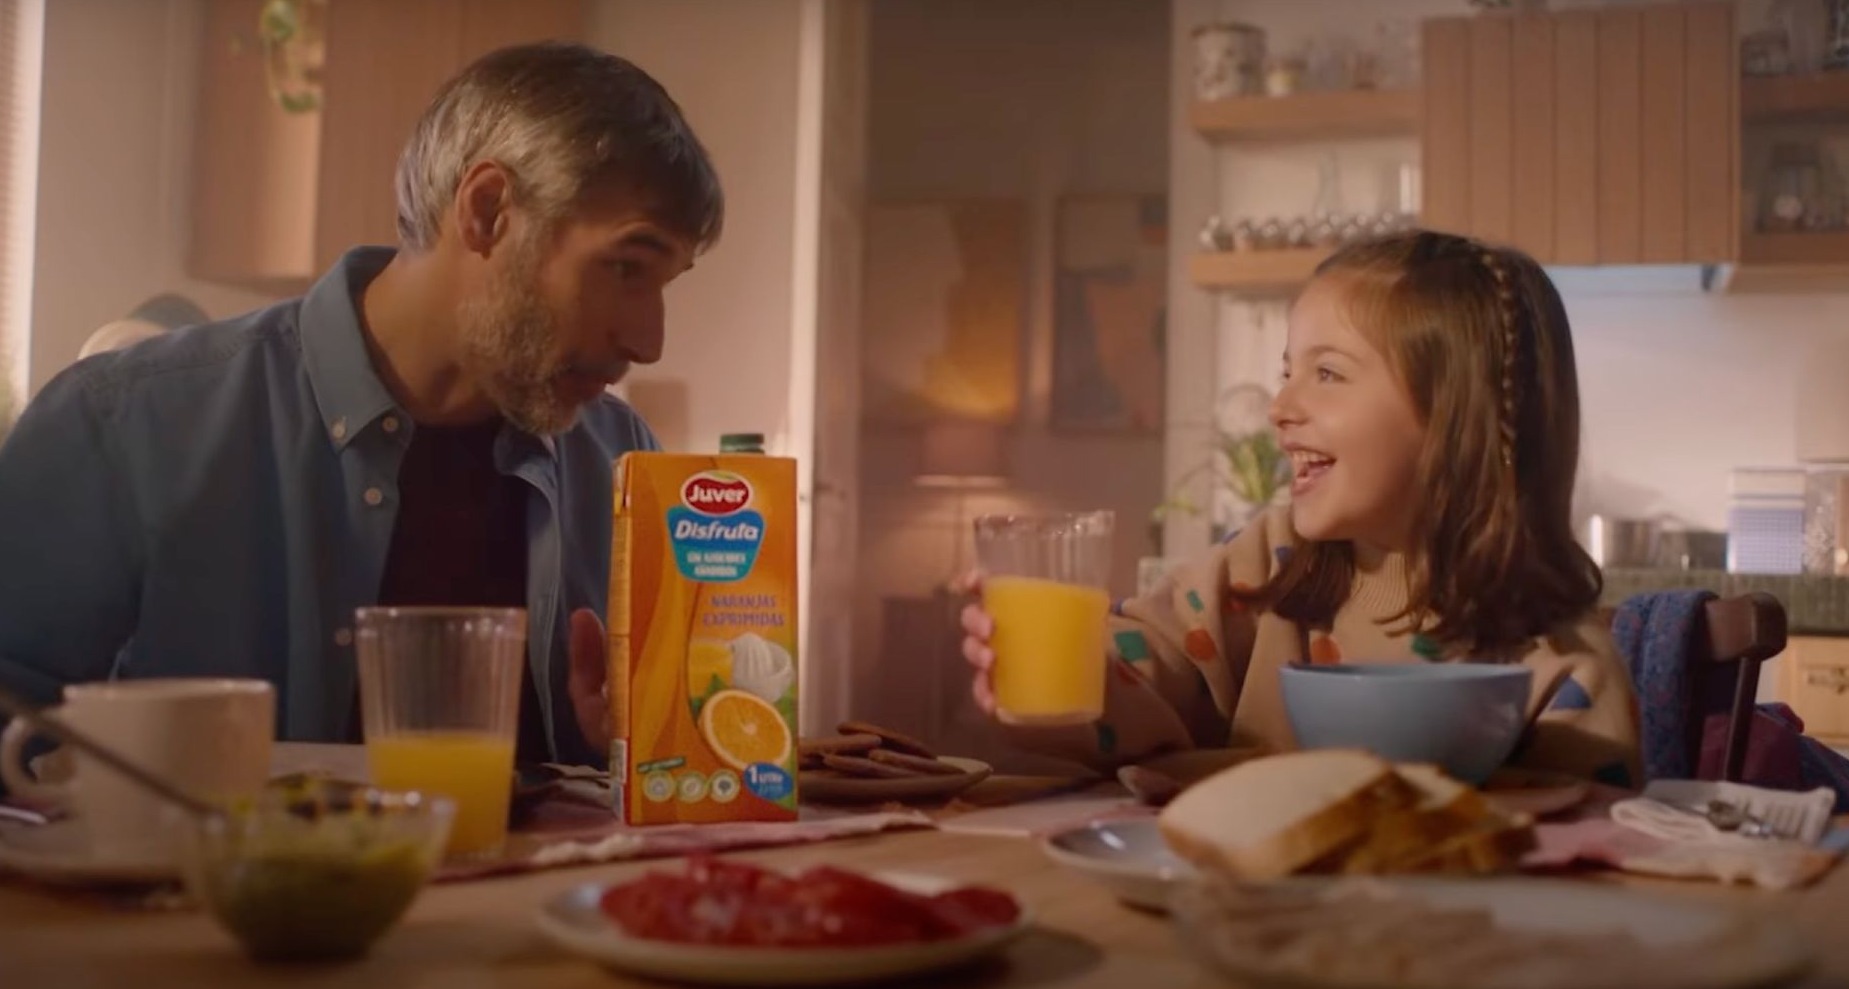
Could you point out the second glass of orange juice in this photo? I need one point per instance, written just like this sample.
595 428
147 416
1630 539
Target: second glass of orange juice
1043 585
440 698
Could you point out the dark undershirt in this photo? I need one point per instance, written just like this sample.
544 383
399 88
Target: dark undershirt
460 540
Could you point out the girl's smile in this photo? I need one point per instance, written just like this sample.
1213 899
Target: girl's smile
1307 467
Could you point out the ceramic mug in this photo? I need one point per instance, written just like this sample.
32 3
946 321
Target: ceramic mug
210 737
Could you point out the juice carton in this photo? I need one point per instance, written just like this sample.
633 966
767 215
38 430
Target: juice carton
702 638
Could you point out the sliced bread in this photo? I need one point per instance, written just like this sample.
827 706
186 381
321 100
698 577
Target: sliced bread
1496 845
1441 795
1445 808
1271 817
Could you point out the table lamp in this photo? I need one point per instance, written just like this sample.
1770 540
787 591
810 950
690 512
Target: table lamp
961 455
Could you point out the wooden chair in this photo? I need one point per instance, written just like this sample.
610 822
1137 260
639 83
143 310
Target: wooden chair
1742 633
1738 634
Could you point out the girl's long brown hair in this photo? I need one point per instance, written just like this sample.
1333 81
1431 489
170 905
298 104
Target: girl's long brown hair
1479 338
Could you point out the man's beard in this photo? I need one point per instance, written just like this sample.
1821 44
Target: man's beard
507 337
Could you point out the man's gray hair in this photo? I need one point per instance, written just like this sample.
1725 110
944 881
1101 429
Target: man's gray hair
559 117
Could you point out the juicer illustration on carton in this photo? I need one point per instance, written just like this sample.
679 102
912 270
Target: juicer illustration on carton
703 638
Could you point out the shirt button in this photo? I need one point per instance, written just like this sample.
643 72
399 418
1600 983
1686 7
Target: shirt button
339 429
343 637
374 497
389 424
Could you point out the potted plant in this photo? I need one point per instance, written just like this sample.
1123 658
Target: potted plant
1244 460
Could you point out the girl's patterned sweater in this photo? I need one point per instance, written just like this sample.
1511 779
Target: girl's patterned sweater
1193 666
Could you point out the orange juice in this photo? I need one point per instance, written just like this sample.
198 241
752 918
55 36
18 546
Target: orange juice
703 640
475 769
1049 650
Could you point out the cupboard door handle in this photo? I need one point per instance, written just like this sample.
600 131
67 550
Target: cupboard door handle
1835 678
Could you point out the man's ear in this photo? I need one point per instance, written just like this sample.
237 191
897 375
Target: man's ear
483 201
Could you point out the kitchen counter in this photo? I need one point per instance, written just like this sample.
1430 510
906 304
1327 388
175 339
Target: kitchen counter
1815 606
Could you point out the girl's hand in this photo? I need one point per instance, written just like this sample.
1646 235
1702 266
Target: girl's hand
977 628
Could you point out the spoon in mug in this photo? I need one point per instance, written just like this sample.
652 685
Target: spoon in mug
12 704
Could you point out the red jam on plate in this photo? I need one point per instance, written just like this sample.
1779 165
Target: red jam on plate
722 902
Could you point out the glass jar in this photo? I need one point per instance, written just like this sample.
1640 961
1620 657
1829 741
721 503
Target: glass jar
1836 43
1826 531
1229 61
1805 27
1792 187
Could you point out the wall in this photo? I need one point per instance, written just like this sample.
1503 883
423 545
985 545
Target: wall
115 151
741 350
1677 387
732 65
1028 100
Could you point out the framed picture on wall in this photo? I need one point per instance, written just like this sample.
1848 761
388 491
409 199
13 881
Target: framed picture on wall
945 287
1110 307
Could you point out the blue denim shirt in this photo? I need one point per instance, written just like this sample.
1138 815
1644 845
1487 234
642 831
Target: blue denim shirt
218 501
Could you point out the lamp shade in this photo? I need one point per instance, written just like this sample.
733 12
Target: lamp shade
963 453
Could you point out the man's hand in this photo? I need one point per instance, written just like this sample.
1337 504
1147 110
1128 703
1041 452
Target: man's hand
589 679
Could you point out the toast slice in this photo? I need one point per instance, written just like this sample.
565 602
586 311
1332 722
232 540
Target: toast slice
1496 845
1271 817
1445 809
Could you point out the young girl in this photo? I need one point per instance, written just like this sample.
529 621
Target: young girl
1430 409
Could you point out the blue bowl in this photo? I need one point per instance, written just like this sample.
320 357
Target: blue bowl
1465 717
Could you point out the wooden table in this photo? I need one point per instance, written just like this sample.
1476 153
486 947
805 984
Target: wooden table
480 935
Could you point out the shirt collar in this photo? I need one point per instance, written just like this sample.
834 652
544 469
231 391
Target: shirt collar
340 371
347 389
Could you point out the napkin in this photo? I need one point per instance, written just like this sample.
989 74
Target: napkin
1672 809
616 842
1657 834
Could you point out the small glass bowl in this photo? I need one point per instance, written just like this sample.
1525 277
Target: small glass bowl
315 869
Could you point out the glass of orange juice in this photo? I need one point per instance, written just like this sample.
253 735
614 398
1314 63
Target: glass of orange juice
440 698
1043 584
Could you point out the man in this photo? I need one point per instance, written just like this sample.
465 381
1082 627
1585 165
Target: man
426 426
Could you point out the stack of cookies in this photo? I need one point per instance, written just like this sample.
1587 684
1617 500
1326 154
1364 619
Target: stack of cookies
867 751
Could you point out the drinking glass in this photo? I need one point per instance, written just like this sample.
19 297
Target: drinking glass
1043 584
440 699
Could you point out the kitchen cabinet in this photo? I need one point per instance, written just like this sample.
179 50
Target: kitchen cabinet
1586 137
1813 677
278 195
1790 110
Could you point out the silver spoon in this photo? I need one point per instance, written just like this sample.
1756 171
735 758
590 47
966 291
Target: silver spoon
1731 818
17 707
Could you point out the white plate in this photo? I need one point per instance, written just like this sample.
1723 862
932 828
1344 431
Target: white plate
1703 944
1128 857
576 923
60 853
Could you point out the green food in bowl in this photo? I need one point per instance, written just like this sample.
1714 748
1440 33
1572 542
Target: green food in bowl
314 870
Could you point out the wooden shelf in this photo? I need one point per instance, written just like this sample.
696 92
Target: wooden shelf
1816 96
1315 116
1823 248
1279 272
1788 264
1781 279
